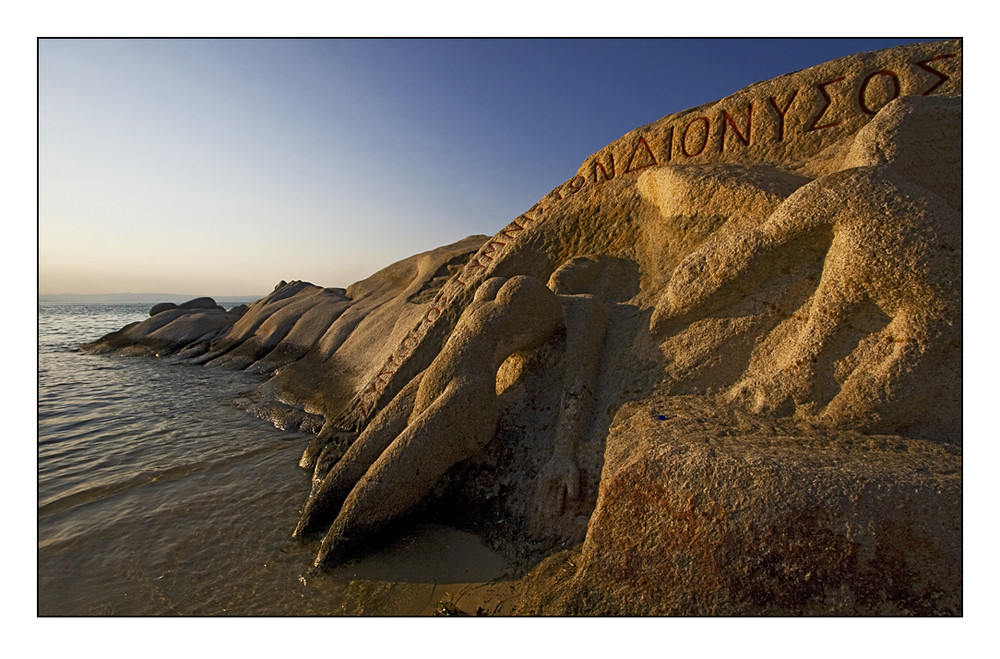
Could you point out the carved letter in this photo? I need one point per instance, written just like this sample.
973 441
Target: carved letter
781 113
368 404
598 163
392 360
649 157
684 137
540 210
727 120
821 87
507 231
491 250
924 64
864 89
670 142
574 187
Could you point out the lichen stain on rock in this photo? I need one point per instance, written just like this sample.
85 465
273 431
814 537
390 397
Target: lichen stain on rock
788 566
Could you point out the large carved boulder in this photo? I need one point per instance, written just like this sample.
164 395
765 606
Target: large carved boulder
749 401
788 265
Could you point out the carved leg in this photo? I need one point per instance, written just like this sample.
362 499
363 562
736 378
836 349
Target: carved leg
559 482
789 379
407 470
325 501
882 397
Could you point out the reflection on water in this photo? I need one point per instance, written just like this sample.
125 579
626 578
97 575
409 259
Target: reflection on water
157 496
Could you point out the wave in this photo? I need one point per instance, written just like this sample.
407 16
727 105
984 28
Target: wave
98 492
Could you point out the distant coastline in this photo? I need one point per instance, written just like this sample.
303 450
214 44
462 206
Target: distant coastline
138 298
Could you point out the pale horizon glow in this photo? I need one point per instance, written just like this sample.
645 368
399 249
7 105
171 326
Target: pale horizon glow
222 166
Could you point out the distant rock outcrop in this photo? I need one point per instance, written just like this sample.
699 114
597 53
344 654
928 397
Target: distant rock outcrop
739 391
200 303
169 330
161 307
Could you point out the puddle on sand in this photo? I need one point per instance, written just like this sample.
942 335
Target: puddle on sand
429 565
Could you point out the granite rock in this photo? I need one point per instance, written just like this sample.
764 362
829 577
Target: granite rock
715 372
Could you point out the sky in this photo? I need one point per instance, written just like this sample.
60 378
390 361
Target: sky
222 166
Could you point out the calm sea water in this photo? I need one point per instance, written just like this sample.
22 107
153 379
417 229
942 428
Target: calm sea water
156 494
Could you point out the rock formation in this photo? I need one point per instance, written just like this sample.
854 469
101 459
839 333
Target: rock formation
739 391
170 329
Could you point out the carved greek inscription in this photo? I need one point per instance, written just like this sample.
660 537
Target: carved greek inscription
942 77
863 91
704 137
827 101
387 371
733 130
781 112
493 246
644 154
727 120
378 384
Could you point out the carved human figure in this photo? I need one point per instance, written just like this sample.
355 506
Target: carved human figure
885 309
440 418
586 318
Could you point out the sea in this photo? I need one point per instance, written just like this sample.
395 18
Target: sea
158 496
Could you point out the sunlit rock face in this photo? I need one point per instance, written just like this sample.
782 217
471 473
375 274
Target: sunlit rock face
724 362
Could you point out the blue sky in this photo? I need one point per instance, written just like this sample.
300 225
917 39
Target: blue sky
223 166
